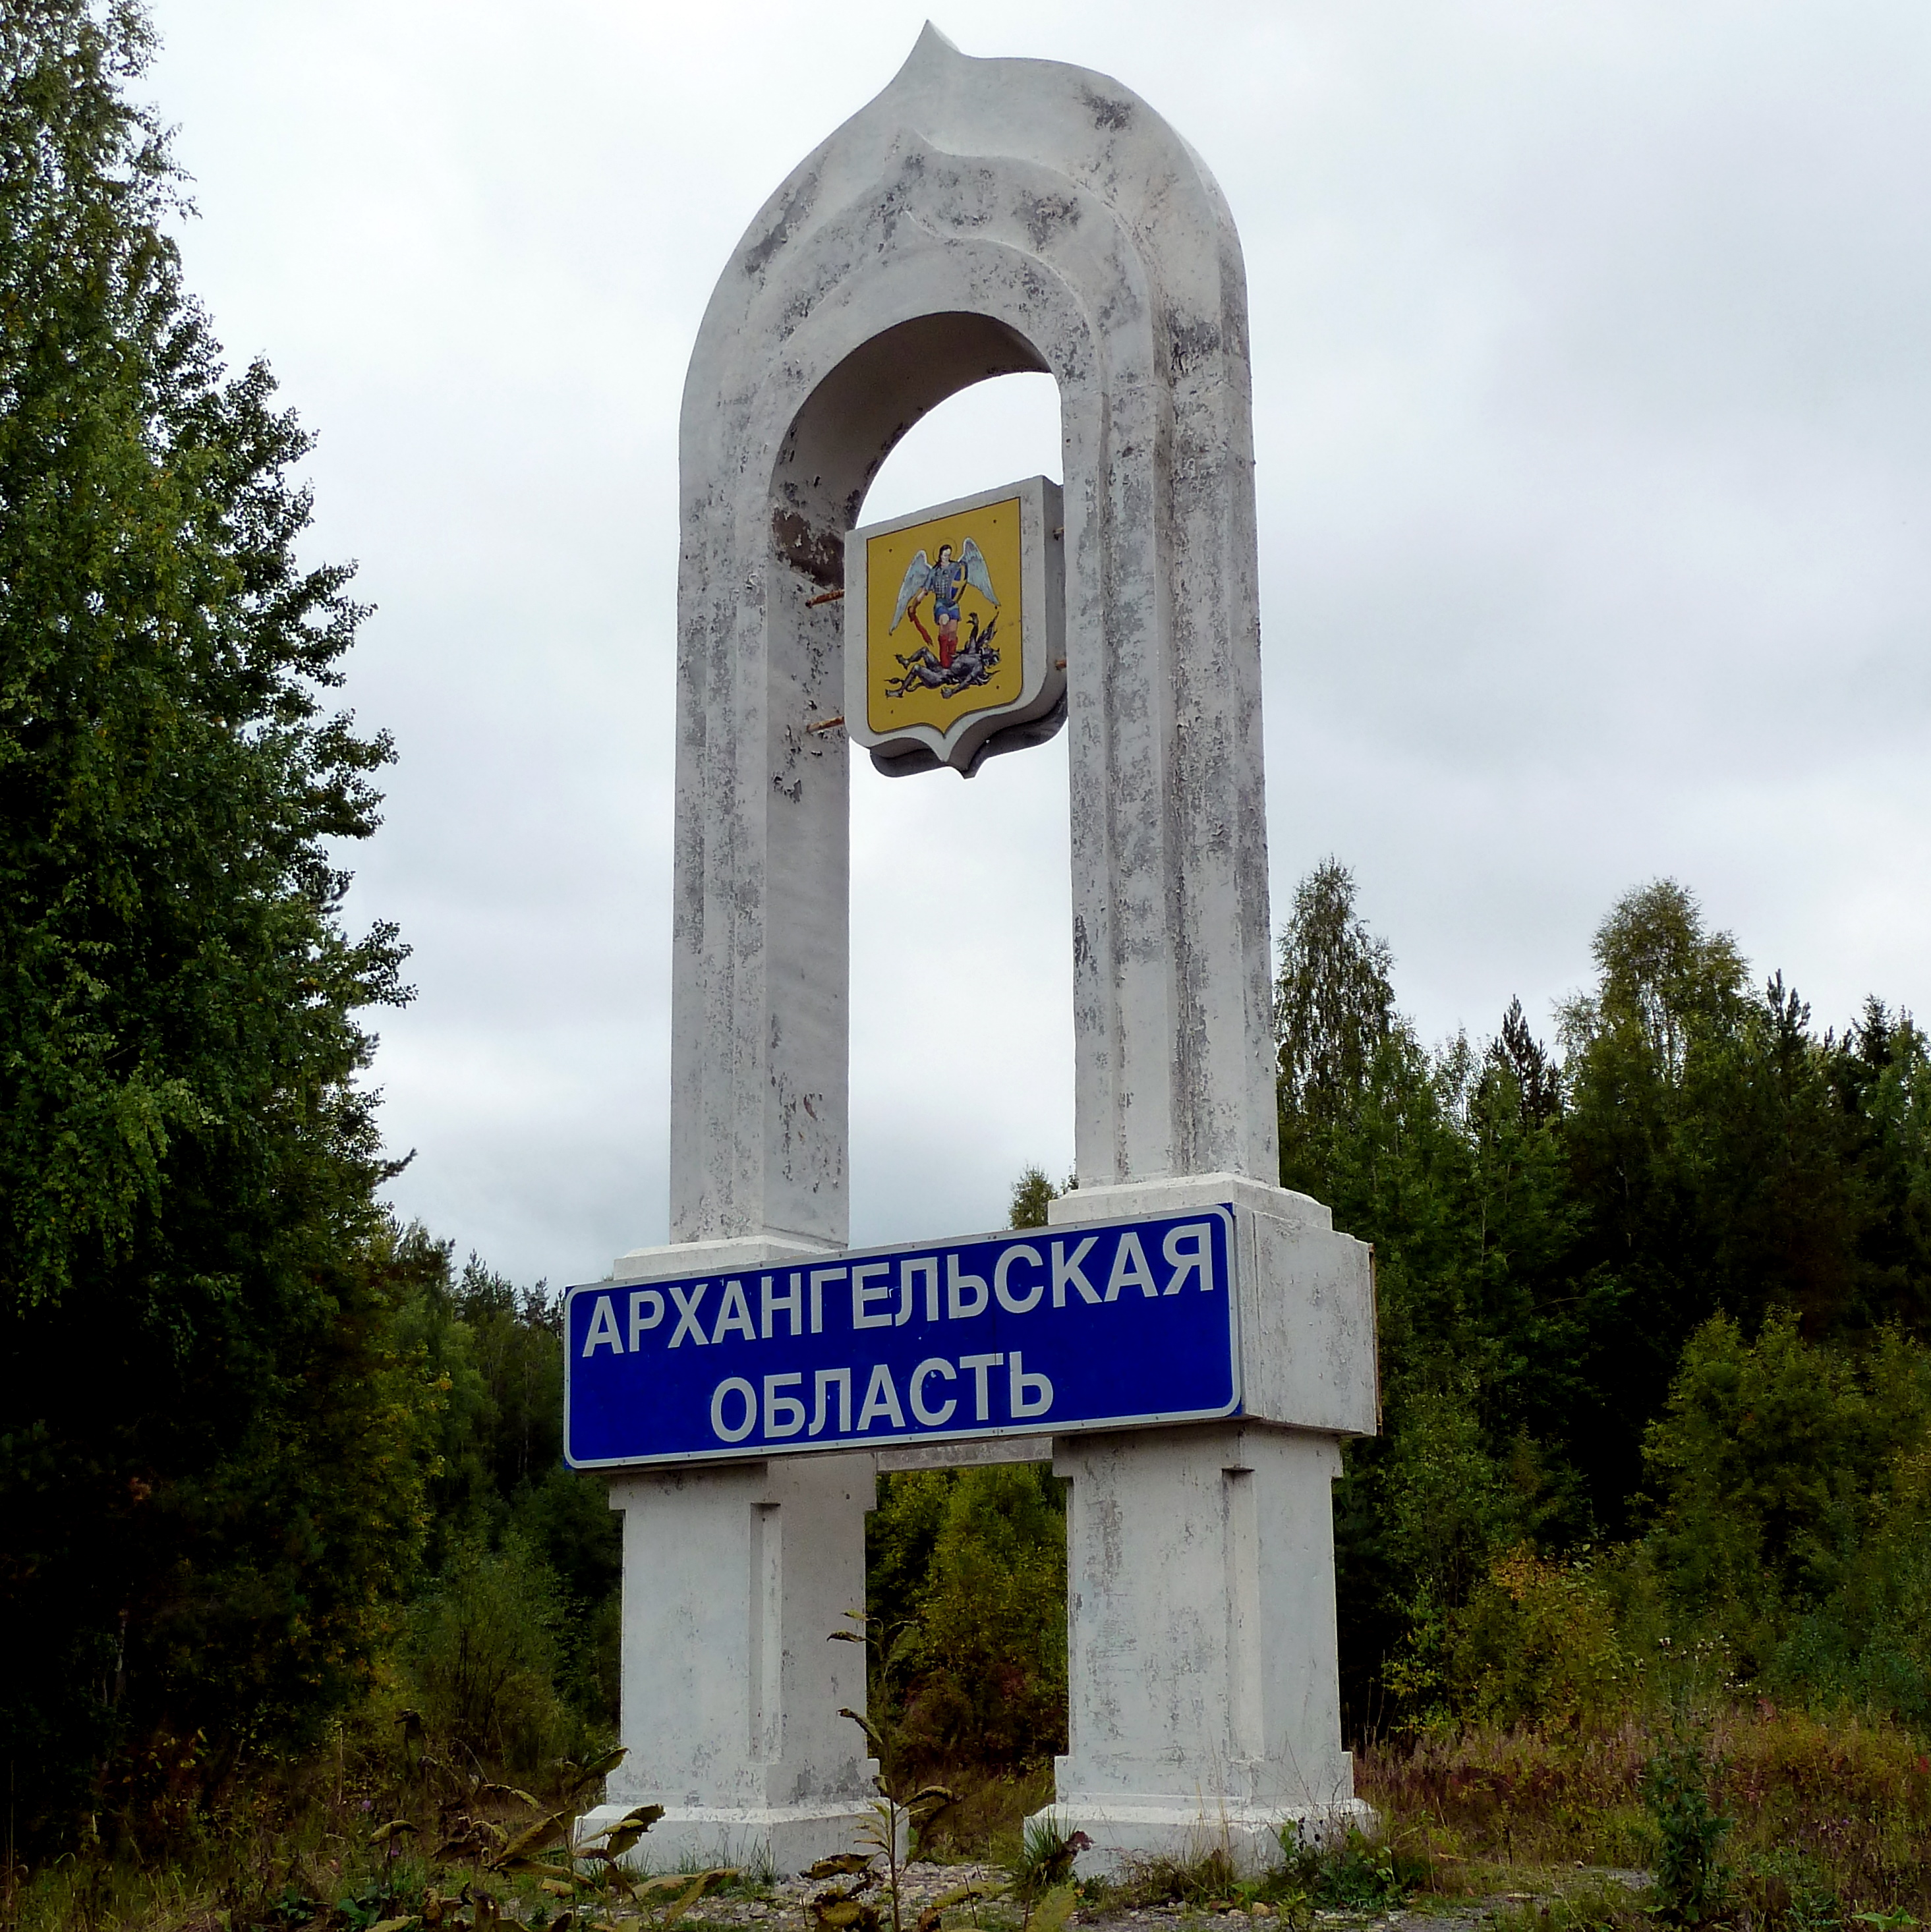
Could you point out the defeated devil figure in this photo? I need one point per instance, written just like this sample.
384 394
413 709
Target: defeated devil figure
972 663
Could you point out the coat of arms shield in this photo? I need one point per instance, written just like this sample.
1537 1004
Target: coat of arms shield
954 630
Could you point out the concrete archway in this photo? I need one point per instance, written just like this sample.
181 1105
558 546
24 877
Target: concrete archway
978 218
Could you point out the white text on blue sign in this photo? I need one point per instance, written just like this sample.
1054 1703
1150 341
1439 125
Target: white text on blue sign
1043 1330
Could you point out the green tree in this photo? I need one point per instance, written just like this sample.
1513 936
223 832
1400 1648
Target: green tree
491 1356
1580 1263
1334 1010
1880 1075
1725 1160
483 1650
207 1481
1780 1467
1032 1194
968 1578
1450 1165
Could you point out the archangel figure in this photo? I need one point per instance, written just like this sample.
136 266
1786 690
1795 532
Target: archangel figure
943 582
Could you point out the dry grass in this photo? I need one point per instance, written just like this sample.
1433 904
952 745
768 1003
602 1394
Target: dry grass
1508 1798
1830 1817
987 1820
296 1847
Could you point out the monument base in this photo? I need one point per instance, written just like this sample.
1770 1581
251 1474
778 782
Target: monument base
1134 1826
781 1839
1204 1705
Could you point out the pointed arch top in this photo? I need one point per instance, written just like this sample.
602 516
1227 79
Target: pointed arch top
979 217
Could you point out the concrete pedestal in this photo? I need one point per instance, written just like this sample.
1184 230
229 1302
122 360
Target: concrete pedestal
1203 1688
1200 1628
734 1576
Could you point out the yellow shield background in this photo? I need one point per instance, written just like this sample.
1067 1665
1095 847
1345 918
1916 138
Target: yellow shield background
994 528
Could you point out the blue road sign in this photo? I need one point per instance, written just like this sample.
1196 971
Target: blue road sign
1104 1325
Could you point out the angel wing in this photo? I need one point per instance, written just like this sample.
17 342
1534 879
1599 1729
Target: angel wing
917 582
976 574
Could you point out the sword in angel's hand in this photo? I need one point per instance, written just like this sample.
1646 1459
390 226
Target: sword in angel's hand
917 582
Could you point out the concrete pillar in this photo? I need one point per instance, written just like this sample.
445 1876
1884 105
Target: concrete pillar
734 1579
1200 1629
978 217
735 1575
1203 1688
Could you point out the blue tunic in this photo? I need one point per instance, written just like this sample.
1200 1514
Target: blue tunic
948 581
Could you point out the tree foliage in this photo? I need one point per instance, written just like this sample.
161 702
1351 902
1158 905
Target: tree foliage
1334 1013
967 1577
1033 1193
1792 1487
204 1466
1578 1251
504 1516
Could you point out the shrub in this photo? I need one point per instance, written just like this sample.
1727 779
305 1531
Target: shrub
483 1653
967 1585
1794 1522
1538 1643
989 1660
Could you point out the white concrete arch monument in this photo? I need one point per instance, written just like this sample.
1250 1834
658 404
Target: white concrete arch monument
980 217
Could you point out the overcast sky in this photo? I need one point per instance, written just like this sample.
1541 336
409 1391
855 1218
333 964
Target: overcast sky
1592 356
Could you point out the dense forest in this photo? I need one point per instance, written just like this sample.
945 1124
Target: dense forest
1654 1304
263 1458
281 1491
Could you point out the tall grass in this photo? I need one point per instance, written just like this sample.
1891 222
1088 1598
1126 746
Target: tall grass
1836 1809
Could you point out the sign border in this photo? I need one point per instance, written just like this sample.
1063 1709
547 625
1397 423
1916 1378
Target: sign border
1006 1432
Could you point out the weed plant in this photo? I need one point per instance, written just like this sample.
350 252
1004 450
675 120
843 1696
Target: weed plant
1691 1883
1362 1873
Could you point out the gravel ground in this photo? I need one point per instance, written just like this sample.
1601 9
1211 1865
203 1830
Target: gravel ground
785 1910
919 1885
